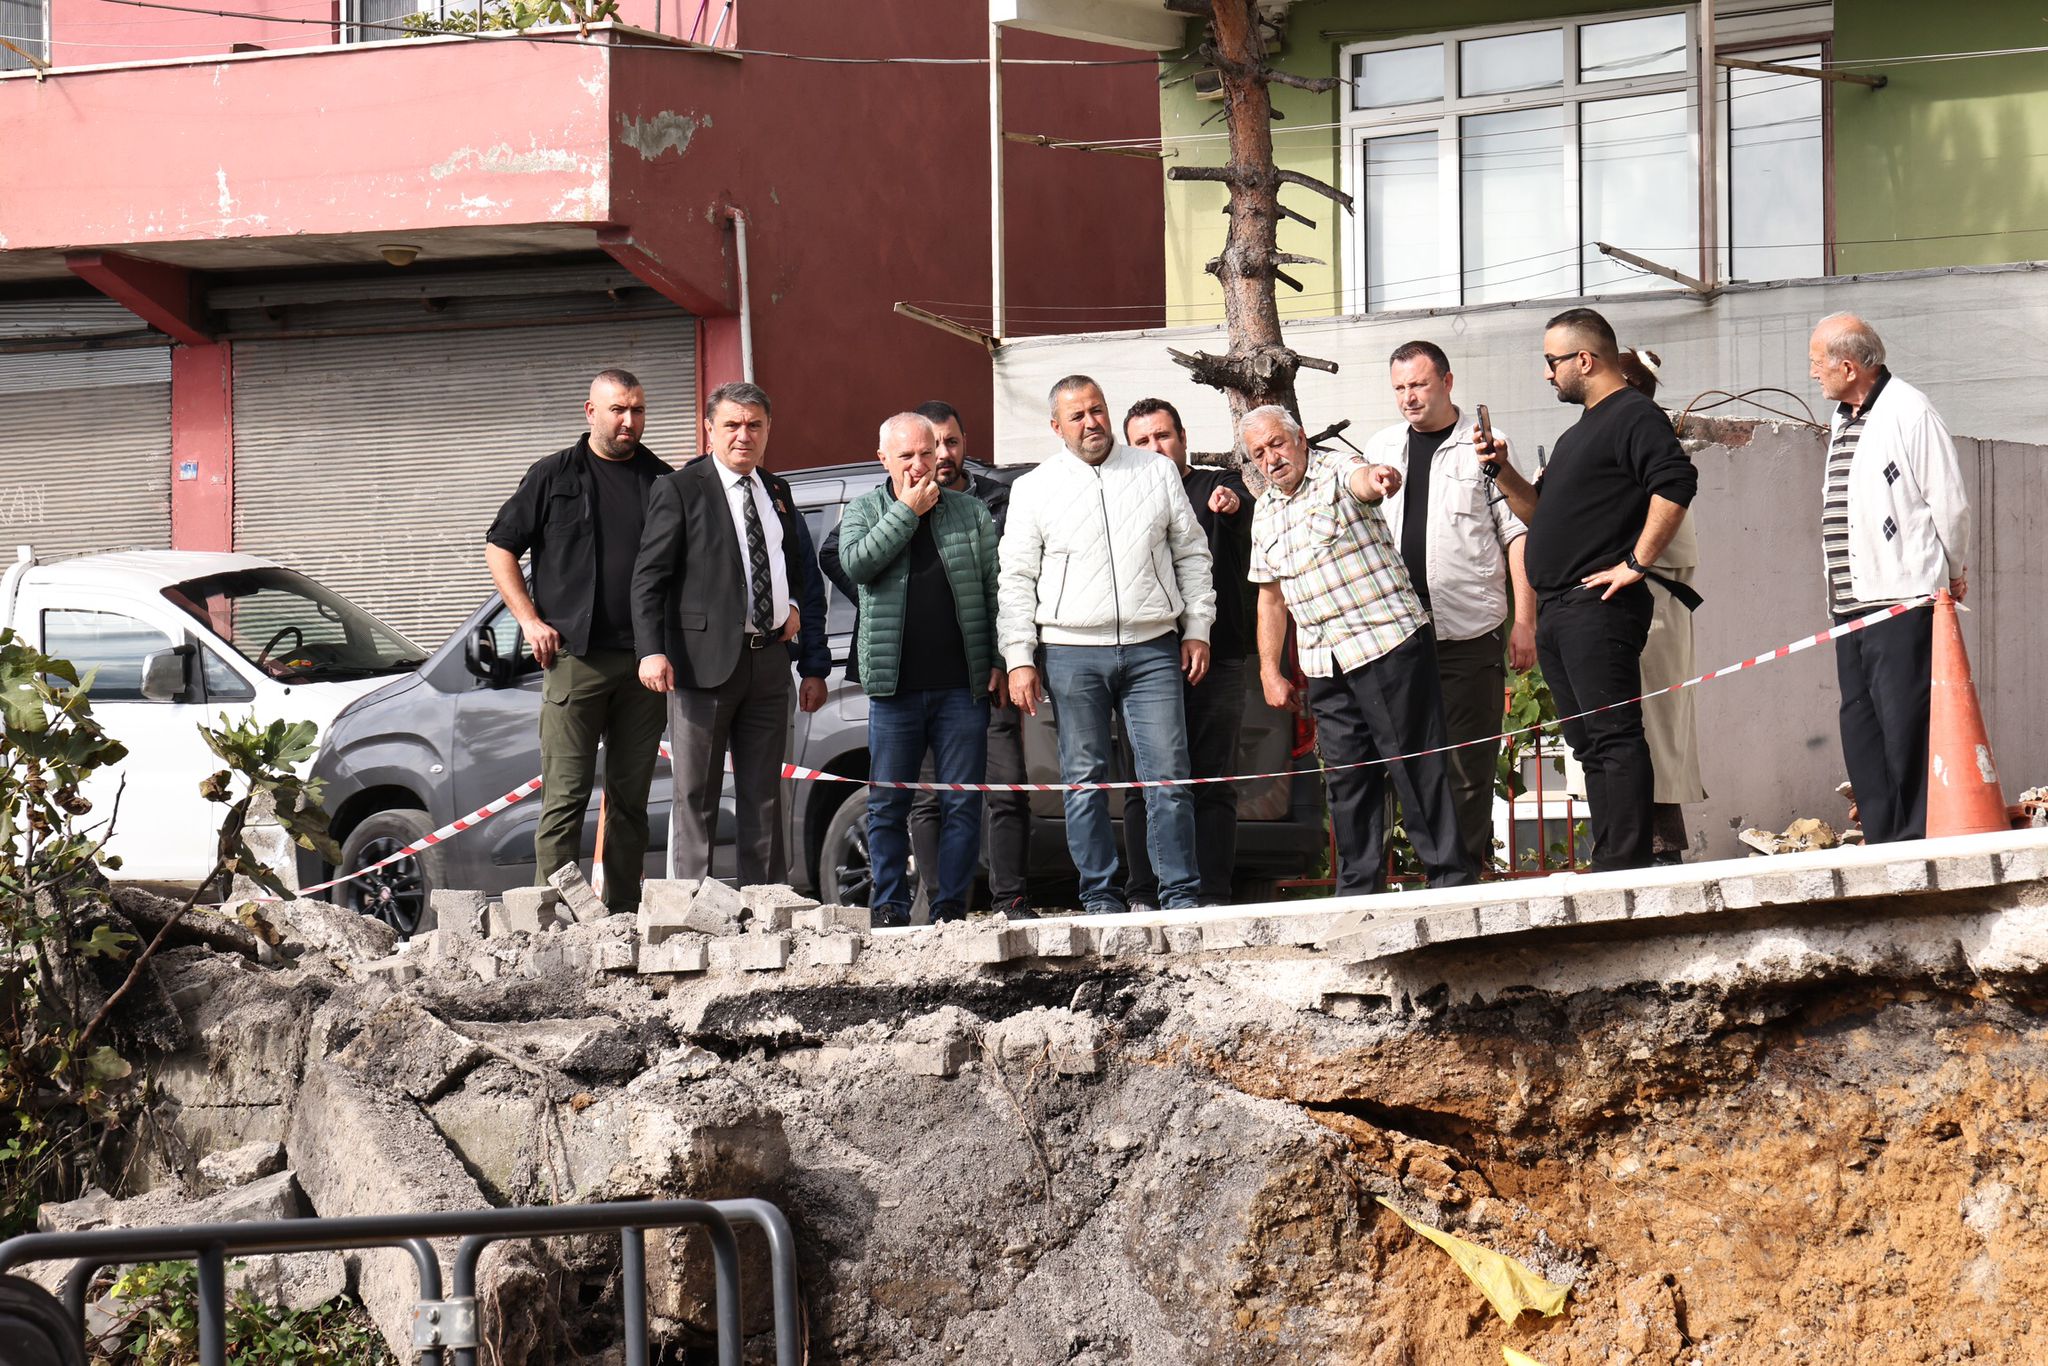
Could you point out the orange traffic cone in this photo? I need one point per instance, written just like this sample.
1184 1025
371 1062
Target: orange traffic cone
1963 796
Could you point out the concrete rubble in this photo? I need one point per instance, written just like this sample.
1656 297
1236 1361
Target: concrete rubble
1734 1106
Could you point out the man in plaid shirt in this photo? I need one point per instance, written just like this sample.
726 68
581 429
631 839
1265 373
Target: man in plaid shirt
1321 553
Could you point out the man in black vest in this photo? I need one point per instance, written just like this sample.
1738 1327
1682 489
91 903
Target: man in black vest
578 513
714 588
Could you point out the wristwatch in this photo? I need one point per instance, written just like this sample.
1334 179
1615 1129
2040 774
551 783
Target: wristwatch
1629 559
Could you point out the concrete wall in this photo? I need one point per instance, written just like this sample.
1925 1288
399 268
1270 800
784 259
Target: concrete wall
1769 742
1976 340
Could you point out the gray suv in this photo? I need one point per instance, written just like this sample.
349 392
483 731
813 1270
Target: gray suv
462 730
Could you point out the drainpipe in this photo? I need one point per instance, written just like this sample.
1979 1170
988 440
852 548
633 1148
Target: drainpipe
1710 152
998 305
739 233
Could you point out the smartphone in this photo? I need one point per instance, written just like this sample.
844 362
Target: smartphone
1488 467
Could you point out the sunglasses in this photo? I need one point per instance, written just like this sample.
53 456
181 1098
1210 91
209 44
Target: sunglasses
1550 361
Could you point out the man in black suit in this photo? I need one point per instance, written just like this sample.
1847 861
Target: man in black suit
714 588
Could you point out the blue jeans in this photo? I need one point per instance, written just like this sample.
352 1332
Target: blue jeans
1143 684
953 727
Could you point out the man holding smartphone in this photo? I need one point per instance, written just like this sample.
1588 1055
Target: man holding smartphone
1463 546
1605 507
924 561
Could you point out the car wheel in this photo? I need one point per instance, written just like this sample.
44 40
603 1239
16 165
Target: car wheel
844 875
396 893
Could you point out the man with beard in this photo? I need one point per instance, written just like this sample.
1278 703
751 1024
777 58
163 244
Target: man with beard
1610 500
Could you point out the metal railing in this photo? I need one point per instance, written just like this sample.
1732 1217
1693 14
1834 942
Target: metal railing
443 1328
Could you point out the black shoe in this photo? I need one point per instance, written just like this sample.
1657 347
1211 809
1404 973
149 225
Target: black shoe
1014 908
887 919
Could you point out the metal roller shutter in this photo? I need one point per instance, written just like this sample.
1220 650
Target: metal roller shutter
85 451
376 463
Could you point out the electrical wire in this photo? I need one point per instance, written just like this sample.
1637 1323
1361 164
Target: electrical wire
1726 398
580 41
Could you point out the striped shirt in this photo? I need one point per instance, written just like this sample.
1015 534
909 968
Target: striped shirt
1338 568
1834 511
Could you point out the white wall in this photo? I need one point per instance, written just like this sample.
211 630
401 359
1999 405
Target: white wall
1975 339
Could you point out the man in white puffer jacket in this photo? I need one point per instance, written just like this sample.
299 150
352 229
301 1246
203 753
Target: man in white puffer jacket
1106 568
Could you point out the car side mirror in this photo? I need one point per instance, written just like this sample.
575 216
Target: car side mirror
480 654
167 674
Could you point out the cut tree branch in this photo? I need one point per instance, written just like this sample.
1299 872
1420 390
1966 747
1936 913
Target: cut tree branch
1309 182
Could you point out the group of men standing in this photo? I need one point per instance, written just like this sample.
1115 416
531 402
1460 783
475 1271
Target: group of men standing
1114 584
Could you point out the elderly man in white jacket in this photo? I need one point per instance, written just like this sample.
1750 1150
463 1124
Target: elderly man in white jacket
1106 568
1895 524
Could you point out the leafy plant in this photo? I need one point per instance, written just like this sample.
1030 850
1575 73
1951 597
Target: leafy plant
65 1091
502 16
158 1325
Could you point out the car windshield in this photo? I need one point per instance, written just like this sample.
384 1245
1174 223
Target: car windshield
294 629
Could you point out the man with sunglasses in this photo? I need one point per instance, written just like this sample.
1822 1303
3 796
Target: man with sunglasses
1615 490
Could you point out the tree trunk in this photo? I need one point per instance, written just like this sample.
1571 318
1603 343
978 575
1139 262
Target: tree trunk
1260 367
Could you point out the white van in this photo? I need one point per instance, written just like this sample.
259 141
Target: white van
180 637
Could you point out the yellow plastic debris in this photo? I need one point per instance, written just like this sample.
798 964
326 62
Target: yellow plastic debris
1519 1358
1509 1287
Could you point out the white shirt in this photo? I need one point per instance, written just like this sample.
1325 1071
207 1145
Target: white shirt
771 532
1470 529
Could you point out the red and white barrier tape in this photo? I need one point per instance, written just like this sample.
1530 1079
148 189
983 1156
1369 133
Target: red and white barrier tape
792 771
800 774
426 841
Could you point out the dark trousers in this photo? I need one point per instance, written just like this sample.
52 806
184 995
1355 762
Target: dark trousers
1592 656
1215 714
587 700
1474 674
749 712
1884 672
1392 705
1007 841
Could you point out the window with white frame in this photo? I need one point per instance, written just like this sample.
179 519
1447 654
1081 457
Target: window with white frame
26 25
1487 163
377 21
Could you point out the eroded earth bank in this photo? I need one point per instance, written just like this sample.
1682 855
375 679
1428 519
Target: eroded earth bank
1786 1134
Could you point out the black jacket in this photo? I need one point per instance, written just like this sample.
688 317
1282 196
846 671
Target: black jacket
549 517
690 582
1230 549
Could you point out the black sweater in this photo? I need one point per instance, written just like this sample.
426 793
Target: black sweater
1596 490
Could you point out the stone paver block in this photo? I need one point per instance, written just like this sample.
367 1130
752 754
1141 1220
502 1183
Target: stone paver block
1888 879
1780 889
614 955
1057 941
836 950
1227 934
398 969
825 919
1183 938
1590 907
2023 865
579 898
459 910
485 967
1503 917
766 952
770 905
991 946
525 909
935 1057
1684 898
1955 873
1127 941
1548 911
1383 938
1459 922
678 953
1074 1047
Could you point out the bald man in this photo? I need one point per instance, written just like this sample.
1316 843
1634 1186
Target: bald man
578 515
923 558
1895 524
1605 507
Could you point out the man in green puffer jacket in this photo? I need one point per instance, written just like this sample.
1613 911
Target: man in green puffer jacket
924 561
